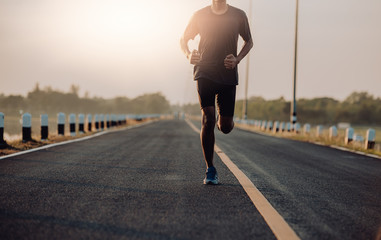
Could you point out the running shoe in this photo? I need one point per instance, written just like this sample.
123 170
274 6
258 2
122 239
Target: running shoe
211 176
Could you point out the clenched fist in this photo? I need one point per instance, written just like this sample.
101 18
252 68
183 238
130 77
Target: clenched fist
194 57
230 61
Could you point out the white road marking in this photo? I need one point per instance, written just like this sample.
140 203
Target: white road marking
274 220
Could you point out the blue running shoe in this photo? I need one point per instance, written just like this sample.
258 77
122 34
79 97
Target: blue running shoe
211 176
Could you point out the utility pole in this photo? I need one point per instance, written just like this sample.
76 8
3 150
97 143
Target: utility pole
245 101
293 117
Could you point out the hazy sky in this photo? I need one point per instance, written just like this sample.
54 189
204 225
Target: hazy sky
130 47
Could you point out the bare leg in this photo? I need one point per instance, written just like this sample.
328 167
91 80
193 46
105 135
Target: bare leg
207 134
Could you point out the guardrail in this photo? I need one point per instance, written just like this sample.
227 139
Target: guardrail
100 121
282 127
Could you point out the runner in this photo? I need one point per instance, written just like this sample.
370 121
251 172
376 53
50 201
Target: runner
215 69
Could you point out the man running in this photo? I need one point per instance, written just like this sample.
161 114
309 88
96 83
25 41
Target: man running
215 69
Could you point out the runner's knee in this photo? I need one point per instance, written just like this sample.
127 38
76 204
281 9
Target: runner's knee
208 121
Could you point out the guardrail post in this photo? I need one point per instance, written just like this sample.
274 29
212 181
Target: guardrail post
270 125
61 123
96 122
102 118
319 130
307 128
276 127
44 126
26 127
297 127
113 120
107 120
349 132
119 120
332 132
370 138
72 124
81 123
2 141
89 122
288 126
282 126
264 124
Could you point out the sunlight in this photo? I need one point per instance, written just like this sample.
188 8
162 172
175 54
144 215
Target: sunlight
121 32
126 22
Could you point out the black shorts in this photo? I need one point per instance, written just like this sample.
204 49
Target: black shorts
209 90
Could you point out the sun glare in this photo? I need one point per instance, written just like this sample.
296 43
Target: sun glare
125 22
121 28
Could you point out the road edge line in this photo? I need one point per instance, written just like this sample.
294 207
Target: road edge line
274 220
73 140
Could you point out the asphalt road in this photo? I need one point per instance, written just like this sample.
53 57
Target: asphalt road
146 183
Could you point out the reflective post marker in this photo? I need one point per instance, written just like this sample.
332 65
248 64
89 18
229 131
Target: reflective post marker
349 132
61 123
276 127
26 127
297 127
306 128
72 124
44 126
81 123
102 119
319 130
96 122
89 122
332 132
370 138
107 120
2 128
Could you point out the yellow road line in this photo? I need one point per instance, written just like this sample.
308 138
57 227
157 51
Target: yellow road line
274 220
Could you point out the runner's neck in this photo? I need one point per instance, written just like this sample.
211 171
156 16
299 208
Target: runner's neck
219 7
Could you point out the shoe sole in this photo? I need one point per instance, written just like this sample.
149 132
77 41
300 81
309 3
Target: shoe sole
211 182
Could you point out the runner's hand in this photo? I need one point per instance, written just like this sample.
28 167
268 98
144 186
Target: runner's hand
230 61
194 57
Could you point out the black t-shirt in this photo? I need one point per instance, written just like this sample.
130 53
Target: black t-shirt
218 38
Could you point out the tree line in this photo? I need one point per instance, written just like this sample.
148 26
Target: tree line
50 101
357 108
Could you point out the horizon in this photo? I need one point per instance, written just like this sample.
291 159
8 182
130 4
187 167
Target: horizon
88 95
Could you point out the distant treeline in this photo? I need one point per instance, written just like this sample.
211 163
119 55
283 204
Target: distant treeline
51 102
357 108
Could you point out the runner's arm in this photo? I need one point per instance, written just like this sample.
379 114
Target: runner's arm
231 62
245 50
194 56
184 46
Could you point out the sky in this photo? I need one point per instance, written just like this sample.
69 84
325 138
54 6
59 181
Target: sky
128 48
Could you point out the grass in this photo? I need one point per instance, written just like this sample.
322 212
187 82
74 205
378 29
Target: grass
362 131
324 138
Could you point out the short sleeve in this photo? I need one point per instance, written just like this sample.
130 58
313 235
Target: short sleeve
191 30
244 29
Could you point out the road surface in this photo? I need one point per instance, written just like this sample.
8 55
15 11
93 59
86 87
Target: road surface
146 183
